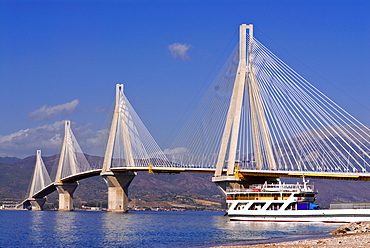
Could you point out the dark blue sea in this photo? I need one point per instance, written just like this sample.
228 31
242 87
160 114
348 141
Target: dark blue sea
143 229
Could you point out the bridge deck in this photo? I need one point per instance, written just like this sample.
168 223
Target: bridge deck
246 173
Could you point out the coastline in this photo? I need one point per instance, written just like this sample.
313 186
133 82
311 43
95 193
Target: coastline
348 240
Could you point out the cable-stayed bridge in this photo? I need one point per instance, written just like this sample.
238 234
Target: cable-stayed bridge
259 120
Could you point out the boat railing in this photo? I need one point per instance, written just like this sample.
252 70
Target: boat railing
274 188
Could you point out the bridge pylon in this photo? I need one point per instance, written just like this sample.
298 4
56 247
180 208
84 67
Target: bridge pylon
67 157
40 179
118 182
245 83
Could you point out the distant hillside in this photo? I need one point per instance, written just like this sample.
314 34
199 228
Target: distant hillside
338 191
188 190
341 191
9 160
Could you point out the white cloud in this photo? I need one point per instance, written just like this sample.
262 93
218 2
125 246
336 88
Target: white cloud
176 151
47 113
179 50
48 138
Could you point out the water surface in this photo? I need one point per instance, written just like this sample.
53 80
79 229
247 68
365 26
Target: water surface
143 229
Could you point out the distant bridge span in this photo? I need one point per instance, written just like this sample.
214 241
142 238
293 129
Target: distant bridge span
245 173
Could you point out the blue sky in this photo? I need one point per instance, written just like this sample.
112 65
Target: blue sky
61 60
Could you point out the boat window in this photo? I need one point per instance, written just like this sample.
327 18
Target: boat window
276 196
309 195
257 205
240 206
292 206
275 206
304 195
286 196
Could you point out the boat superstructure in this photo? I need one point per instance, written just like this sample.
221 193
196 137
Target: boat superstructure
282 202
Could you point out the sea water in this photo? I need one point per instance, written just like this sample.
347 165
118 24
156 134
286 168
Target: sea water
143 229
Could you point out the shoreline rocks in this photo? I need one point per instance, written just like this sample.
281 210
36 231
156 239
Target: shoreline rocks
353 227
350 235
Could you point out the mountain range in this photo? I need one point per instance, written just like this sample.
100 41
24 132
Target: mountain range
188 191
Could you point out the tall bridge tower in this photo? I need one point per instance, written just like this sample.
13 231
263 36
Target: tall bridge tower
40 180
245 83
67 157
118 182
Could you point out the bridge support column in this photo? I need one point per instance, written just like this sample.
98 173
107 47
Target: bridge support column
35 204
66 191
118 183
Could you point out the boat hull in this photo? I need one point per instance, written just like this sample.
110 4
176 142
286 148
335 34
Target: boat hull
325 216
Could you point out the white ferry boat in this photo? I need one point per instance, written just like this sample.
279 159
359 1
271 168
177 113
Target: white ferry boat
281 202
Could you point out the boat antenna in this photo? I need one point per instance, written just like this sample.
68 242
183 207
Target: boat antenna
304 182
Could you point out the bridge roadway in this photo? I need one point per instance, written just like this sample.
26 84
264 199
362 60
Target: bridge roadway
359 176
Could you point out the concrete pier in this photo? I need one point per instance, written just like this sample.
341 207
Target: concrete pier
118 183
36 204
66 191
